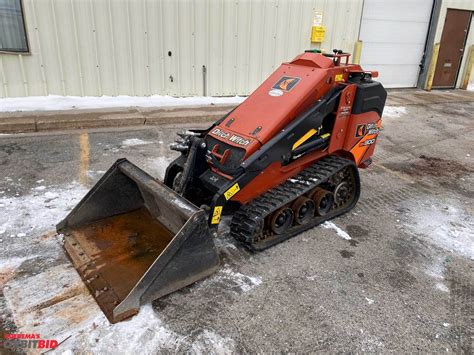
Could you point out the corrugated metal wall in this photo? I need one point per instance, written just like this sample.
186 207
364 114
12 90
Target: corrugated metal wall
145 47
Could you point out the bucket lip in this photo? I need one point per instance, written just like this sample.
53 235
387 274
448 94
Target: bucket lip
175 243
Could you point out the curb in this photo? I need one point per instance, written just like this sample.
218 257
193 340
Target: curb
41 121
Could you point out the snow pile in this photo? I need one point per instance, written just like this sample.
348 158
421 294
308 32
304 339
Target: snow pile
134 141
55 102
339 231
394 111
448 226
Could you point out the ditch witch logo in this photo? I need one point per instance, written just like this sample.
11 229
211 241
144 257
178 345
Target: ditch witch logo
21 342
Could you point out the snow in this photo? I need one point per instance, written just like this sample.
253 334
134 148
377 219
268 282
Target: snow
232 280
219 344
445 224
40 211
157 166
13 262
147 332
134 141
55 102
394 111
442 287
339 231
244 282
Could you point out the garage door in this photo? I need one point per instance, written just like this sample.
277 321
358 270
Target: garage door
393 33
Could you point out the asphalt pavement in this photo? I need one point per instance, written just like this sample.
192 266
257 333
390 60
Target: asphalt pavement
403 282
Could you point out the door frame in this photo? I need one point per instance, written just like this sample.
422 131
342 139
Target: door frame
463 52
429 44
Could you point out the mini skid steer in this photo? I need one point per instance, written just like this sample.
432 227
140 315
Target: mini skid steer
283 161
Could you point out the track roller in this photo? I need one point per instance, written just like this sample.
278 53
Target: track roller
323 201
303 209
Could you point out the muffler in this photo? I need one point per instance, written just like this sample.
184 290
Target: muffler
133 240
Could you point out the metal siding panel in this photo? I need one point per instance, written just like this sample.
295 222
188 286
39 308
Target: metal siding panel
87 48
105 48
121 46
229 44
243 38
170 45
138 47
67 47
49 48
256 45
155 46
201 45
32 63
185 49
213 70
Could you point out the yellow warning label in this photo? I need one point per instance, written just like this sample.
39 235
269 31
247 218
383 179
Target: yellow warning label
232 191
216 215
339 77
318 33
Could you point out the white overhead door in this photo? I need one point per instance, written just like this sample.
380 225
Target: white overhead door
393 33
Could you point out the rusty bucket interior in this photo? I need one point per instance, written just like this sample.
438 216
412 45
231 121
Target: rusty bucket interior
133 240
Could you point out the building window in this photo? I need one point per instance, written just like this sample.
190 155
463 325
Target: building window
12 27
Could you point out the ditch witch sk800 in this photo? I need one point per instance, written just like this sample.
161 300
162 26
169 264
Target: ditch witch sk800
283 161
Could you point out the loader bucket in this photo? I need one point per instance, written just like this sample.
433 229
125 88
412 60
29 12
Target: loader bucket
133 240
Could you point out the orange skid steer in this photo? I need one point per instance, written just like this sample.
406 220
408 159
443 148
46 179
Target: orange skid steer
283 161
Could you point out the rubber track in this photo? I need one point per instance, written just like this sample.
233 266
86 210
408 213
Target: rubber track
248 218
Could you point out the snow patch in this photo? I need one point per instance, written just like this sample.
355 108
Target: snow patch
147 332
232 280
446 225
55 102
339 231
13 263
442 287
369 300
209 341
134 141
158 166
394 111
38 212
244 282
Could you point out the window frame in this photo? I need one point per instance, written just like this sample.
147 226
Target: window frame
25 29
